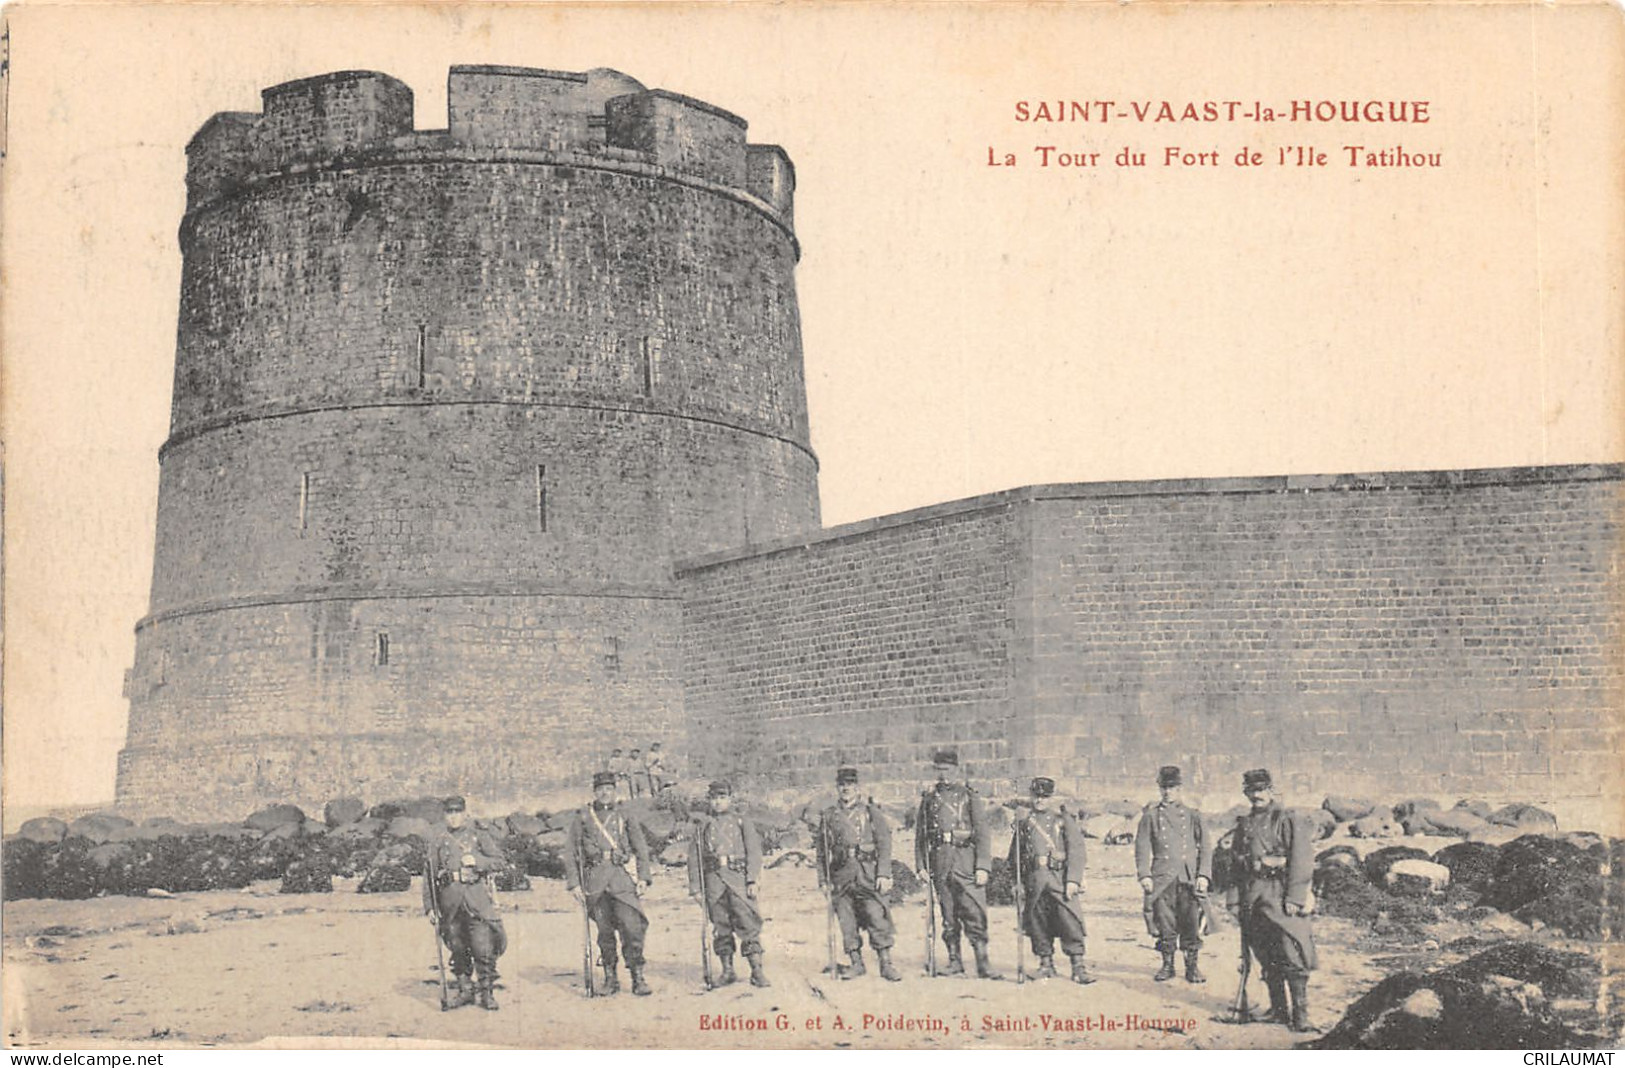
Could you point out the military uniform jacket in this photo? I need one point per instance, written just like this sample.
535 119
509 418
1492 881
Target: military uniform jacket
1171 846
1275 856
599 846
951 833
1050 849
728 849
458 862
854 846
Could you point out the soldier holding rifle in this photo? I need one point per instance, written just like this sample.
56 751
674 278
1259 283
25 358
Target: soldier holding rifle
459 903
724 869
953 849
602 841
1273 851
1047 850
854 859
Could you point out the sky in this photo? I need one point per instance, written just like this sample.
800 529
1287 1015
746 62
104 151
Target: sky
967 328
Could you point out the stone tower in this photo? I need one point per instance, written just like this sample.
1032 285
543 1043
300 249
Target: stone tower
447 405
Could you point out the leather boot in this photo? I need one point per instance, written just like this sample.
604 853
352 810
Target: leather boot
887 972
463 995
758 977
1193 974
612 979
488 1000
1080 971
729 977
956 962
1046 968
1279 1013
1166 972
639 987
984 970
853 970
1300 1004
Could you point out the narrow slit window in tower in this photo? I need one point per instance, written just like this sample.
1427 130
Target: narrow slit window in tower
380 655
423 356
612 653
541 498
304 503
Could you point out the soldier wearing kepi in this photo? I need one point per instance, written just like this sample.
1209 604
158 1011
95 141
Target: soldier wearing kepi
1173 860
602 841
1049 849
458 901
953 848
1275 859
725 863
854 856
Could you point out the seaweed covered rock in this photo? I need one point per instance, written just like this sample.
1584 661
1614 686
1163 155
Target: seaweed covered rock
509 878
312 876
411 827
905 884
1513 996
69 872
1378 863
1471 864
385 878
524 823
1533 866
1375 825
22 868
1343 890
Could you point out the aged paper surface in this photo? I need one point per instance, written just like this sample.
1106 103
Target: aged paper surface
989 299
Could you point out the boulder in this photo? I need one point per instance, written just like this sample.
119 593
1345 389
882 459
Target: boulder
385 878
1344 855
1481 809
44 829
1526 818
271 817
410 827
111 853
525 823
1123 833
1378 863
1416 876
283 832
1375 826
313 828
1455 822
1100 826
1502 998
1323 822
342 811
366 827
1495 834
1471 864
98 827
1348 809
223 830
1414 805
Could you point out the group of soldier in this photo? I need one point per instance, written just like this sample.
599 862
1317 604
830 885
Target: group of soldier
638 774
607 867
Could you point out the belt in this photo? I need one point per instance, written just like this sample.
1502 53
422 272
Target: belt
856 852
956 837
716 863
1055 863
605 856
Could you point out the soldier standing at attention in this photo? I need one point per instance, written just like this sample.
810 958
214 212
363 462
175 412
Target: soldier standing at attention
1174 862
953 848
602 841
634 772
727 851
459 903
854 856
1275 859
655 769
617 767
1049 849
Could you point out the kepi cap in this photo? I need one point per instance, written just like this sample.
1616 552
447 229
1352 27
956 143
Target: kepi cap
1169 775
945 758
721 789
455 804
846 775
1256 777
1043 787
603 778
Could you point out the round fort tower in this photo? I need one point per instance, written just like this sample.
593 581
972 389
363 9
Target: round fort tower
447 406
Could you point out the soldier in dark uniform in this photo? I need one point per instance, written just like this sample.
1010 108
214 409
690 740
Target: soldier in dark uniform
1049 849
1275 859
602 841
1173 859
457 898
953 848
854 861
725 862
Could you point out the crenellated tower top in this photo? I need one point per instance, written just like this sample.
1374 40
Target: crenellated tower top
601 118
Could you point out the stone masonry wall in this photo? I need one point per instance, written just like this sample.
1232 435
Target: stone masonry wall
869 645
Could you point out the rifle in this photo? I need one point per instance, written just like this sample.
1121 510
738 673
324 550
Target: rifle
829 894
705 912
434 906
930 894
1021 907
587 979
1240 1011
